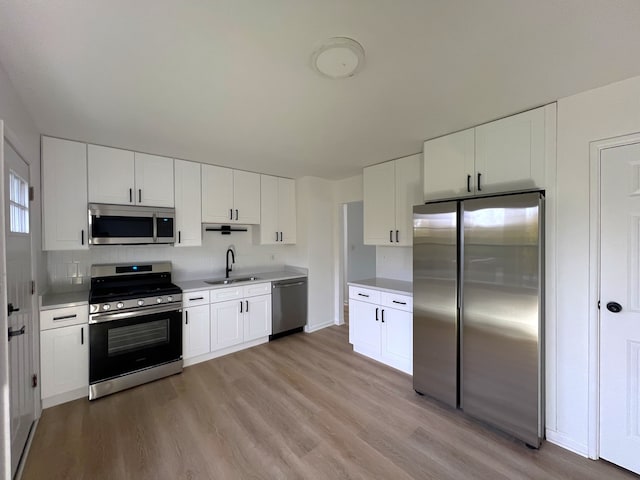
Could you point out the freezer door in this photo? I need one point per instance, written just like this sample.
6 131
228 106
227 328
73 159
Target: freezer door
501 313
435 312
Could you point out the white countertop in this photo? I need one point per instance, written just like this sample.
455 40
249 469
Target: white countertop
385 285
52 300
193 285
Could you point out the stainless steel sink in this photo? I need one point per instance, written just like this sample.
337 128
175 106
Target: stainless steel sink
228 281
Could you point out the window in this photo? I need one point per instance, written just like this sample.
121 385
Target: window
19 203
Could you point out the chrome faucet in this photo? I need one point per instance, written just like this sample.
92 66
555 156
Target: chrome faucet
233 260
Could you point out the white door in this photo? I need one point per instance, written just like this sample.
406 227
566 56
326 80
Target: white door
246 197
408 193
449 165
196 335
269 228
257 317
217 195
188 198
620 284
379 196
227 327
111 175
154 180
21 318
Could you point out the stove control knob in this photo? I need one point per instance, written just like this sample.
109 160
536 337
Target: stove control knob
106 306
120 305
169 298
159 300
140 302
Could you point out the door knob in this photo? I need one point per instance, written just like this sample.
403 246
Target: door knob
614 307
11 309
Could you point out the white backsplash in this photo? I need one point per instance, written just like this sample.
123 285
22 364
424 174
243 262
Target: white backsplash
395 262
71 270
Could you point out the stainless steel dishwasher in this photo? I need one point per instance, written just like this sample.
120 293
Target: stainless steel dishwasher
288 306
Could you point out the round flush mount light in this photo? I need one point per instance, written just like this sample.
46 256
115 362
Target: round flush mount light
338 57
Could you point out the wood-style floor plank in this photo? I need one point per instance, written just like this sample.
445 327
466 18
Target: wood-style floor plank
302 407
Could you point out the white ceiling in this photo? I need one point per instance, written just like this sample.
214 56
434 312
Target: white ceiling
229 82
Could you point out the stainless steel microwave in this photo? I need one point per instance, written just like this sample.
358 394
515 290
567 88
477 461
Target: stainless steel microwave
130 225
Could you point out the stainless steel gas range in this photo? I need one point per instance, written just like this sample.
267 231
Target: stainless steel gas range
135 326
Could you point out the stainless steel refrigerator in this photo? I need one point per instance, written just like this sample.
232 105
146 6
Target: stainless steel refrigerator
478 309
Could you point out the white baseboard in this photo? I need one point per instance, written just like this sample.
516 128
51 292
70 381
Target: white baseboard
65 397
315 328
564 441
225 351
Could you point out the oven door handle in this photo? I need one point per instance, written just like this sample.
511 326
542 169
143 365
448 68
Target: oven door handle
108 317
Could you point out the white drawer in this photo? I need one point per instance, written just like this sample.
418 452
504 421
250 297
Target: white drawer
63 317
364 294
397 301
193 299
224 294
257 289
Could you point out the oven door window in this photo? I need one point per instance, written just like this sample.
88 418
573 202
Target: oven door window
108 226
124 346
129 338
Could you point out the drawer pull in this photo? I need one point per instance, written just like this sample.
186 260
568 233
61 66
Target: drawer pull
196 298
400 303
66 317
363 295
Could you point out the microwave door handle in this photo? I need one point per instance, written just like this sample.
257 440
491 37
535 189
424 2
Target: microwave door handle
155 228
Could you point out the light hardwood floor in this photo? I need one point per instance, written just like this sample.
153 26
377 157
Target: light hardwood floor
304 406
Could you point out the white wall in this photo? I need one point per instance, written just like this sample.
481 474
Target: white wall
23 135
598 114
395 262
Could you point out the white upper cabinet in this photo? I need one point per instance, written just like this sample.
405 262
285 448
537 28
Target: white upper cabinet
391 189
505 155
449 165
277 210
230 196
188 201
154 180
510 153
64 195
127 178
111 175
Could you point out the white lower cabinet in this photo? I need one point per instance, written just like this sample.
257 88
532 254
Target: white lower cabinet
223 320
195 333
381 326
64 364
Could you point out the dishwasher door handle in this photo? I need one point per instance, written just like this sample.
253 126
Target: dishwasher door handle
282 285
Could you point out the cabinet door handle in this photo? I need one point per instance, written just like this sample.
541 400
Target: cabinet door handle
82 336
382 315
81 237
363 295
179 236
240 306
276 236
231 214
391 236
186 317
65 317
468 183
280 236
139 195
377 313
399 303
236 214
131 195
247 309
479 175
397 241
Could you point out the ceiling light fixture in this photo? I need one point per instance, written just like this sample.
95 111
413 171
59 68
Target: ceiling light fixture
338 57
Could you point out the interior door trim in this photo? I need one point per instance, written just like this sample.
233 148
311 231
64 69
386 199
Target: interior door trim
595 159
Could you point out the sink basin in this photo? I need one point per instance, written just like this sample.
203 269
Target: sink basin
229 281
